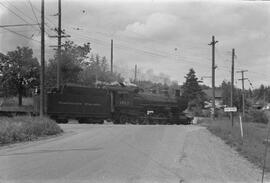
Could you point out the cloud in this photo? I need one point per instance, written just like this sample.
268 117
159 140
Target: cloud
157 25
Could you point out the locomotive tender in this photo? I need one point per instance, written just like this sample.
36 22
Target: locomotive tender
118 104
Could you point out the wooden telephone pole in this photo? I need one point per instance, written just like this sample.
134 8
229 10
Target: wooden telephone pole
42 62
232 83
59 36
213 43
243 91
59 44
112 56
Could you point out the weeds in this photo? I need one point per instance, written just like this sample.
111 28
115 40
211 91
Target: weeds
26 128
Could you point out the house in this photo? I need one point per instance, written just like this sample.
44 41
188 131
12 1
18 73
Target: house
218 98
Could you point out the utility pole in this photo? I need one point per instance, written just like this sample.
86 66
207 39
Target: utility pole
232 83
42 61
213 43
135 77
59 44
59 36
111 56
243 90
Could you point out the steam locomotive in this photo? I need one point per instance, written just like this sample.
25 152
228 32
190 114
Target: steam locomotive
118 104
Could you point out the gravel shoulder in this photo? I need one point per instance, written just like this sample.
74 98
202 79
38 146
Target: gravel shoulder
206 158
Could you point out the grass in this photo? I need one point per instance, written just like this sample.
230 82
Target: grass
252 145
26 128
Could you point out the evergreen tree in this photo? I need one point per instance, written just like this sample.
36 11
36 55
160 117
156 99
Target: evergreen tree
191 88
192 97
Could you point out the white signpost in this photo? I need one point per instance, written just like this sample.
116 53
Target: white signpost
230 109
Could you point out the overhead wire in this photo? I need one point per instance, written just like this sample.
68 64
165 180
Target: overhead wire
72 28
16 14
104 43
19 16
117 45
14 32
29 1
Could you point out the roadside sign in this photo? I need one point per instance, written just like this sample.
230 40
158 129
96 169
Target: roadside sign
230 109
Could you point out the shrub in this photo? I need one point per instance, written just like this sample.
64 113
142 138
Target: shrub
19 129
256 116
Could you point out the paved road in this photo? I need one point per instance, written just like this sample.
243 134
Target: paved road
126 153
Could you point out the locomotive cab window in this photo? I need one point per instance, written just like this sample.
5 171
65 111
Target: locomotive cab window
123 99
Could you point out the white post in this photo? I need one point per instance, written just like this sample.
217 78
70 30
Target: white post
241 126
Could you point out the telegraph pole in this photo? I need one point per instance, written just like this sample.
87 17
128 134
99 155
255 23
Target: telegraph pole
59 44
213 43
42 61
111 56
135 76
232 83
59 36
243 90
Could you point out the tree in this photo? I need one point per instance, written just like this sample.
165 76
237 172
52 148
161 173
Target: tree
191 88
73 58
192 96
96 69
20 71
77 67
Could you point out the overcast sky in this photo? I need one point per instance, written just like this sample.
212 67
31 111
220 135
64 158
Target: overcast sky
169 37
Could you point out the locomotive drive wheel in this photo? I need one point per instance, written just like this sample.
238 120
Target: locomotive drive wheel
123 119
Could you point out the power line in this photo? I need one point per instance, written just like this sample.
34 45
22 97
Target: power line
33 11
20 34
183 59
14 12
23 13
17 25
121 46
54 24
33 7
107 35
24 36
166 55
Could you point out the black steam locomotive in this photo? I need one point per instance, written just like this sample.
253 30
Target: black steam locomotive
118 104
